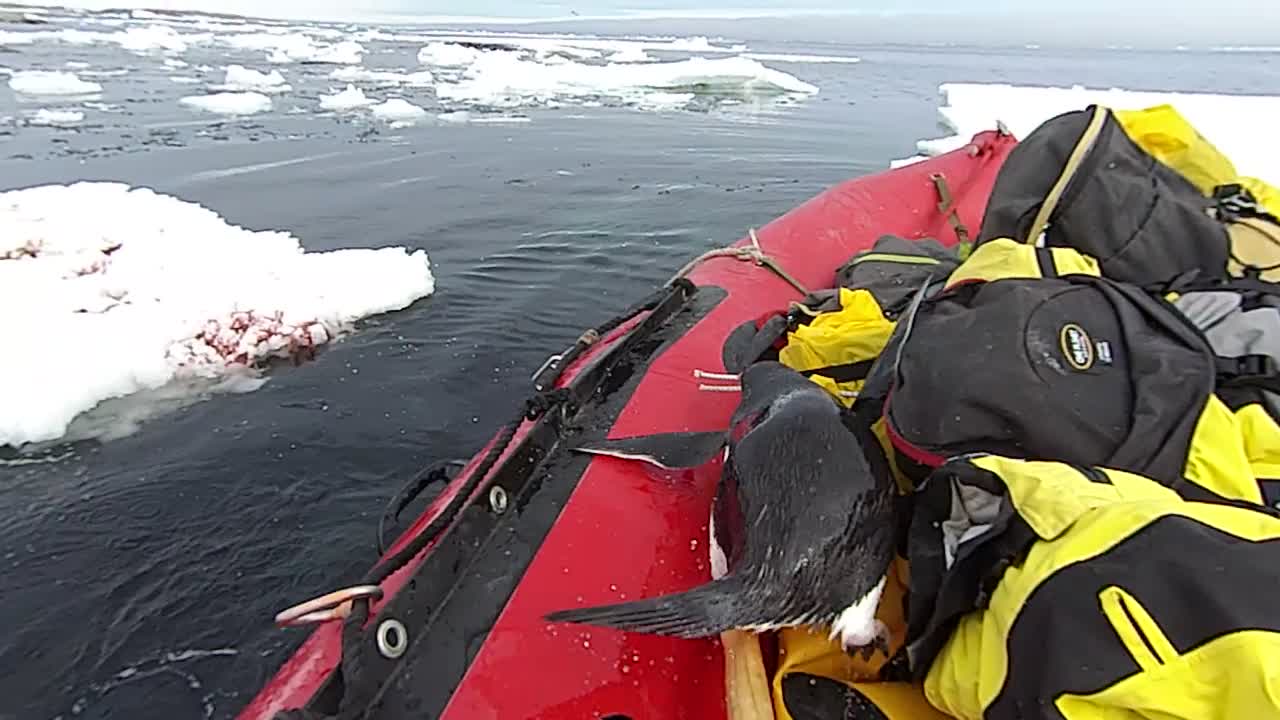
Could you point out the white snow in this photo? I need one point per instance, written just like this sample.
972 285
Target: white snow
1238 125
349 99
47 82
506 79
805 59
242 79
229 103
297 47
399 111
443 54
152 37
350 74
56 118
115 291
631 55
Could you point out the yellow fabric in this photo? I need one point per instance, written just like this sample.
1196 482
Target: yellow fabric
1261 438
813 653
1268 196
1218 459
1255 247
1079 520
1164 133
1229 677
1004 258
855 332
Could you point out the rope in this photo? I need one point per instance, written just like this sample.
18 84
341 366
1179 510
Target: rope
753 253
947 206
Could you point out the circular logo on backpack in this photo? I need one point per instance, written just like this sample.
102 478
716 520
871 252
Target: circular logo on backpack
1076 346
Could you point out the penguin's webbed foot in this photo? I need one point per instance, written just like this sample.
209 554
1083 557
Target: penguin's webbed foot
878 641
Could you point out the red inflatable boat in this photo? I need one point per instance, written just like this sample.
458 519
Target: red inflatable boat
450 623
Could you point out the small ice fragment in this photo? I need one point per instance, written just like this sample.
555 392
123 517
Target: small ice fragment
399 110
56 118
46 82
229 103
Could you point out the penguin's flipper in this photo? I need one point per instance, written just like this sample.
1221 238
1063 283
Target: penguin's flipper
669 451
704 611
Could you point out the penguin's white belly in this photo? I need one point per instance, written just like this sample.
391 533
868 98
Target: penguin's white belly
857 625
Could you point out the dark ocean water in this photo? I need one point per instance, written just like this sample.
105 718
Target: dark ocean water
141 574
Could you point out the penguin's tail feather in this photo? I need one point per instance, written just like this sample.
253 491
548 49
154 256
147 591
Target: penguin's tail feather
701 612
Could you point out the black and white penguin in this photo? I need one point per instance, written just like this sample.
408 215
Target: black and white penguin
801 530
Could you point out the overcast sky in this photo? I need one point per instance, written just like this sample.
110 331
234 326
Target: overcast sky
1079 22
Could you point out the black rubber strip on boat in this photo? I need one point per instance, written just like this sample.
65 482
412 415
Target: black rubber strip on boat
455 596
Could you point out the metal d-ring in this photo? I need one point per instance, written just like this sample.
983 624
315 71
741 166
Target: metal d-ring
393 638
497 499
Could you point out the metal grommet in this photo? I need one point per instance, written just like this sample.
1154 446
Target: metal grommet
393 638
498 499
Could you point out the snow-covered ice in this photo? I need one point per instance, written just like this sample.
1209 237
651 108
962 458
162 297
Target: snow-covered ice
507 79
399 111
56 118
349 99
51 82
242 79
351 74
139 292
445 54
1238 125
229 103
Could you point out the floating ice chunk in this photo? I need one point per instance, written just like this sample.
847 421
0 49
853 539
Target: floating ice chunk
242 79
399 112
47 82
128 291
806 59
631 54
76 65
175 63
152 37
505 79
349 99
350 74
1238 125
56 118
229 103
444 54
183 80
297 47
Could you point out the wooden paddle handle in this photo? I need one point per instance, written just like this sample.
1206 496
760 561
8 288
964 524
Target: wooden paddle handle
746 688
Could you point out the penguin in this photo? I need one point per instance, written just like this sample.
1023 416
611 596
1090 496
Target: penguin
802 532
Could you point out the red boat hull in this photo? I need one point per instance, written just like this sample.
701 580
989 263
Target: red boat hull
625 534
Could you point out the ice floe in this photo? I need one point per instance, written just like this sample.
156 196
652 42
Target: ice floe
56 118
399 112
242 79
1238 125
349 99
229 103
136 292
447 54
51 82
804 59
504 80
350 74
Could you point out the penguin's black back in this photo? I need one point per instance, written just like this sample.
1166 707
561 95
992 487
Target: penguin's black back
817 524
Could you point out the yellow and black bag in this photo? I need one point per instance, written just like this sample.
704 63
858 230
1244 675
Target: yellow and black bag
1142 192
1049 590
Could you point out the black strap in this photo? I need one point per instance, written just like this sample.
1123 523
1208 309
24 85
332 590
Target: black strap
847 372
1044 258
1257 371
